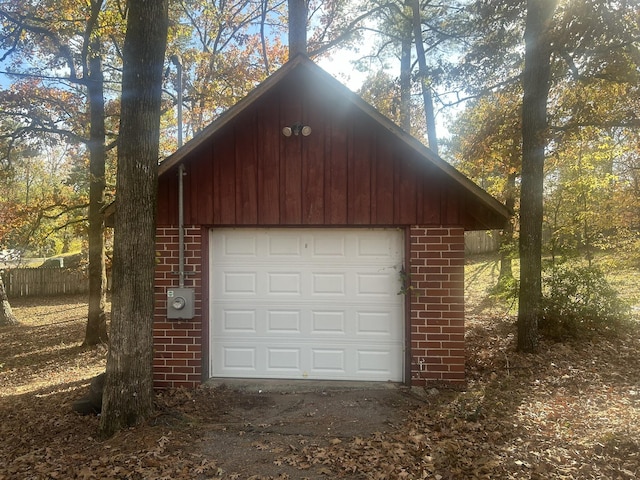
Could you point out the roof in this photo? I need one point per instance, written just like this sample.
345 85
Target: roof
303 62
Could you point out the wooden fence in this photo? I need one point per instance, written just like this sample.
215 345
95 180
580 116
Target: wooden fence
481 242
26 282
30 282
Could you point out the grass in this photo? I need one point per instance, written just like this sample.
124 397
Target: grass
482 271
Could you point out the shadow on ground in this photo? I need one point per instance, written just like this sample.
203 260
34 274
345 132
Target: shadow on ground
250 428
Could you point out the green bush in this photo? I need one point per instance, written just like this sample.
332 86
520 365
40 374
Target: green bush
578 300
506 289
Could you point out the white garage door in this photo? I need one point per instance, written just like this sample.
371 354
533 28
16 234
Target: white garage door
307 303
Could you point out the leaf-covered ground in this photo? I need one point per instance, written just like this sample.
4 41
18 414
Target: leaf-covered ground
570 411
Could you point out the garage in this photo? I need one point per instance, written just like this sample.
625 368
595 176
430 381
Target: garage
286 224
306 303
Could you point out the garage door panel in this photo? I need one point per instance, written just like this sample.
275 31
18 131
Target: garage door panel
306 303
374 362
242 283
328 361
327 322
375 246
350 320
284 322
242 244
239 358
327 247
377 324
238 321
284 283
375 285
283 359
328 283
284 246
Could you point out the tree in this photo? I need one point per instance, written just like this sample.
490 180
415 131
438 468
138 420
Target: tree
585 53
486 146
62 61
536 79
422 74
6 314
128 391
225 53
297 27
96 331
589 197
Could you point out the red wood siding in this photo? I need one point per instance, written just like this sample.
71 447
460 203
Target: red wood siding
349 171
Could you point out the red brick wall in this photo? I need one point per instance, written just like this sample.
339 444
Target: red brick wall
437 308
437 305
177 360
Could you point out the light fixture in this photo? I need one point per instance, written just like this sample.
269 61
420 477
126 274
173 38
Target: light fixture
297 129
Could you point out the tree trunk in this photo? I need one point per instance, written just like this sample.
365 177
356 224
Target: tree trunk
6 314
506 244
405 78
96 331
297 27
536 82
422 65
128 394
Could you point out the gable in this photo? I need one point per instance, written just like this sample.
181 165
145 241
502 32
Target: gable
355 168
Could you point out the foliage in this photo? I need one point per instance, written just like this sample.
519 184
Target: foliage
40 210
487 141
590 198
505 289
578 299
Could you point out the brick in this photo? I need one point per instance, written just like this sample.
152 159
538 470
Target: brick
432 331
176 348
431 367
441 337
438 321
453 360
438 232
175 362
183 369
161 340
437 261
184 340
430 256
437 352
432 360
438 307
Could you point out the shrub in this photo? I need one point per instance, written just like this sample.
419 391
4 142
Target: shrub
579 299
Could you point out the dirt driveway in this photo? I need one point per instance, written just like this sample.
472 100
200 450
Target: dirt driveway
259 430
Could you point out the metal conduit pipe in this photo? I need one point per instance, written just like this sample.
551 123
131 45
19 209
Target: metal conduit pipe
181 173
